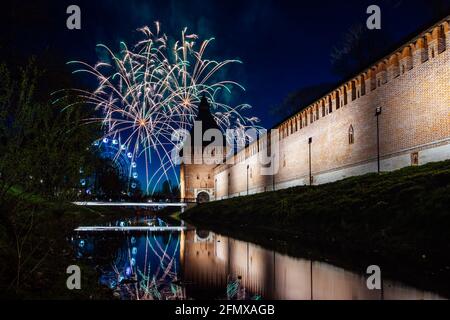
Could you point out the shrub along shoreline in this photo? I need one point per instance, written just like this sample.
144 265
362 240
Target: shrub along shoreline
398 220
43 229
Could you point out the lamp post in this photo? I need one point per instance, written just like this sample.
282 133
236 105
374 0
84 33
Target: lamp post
228 185
248 166
377 114
310 170
273 173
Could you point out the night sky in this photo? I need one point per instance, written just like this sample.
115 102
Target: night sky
284 45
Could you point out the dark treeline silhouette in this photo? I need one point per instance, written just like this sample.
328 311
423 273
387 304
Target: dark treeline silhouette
299 99
167 192
43 143
357 49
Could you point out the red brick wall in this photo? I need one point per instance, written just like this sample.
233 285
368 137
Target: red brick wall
415 103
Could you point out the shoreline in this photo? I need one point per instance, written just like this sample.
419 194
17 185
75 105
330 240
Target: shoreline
51 252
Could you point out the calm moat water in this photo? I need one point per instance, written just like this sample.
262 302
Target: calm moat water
199 264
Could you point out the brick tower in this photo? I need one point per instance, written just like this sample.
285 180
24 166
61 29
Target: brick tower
197 178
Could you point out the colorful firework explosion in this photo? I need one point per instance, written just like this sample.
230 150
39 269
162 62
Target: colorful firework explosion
149 92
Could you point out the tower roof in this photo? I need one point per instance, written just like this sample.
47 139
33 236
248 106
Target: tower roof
204 115
207 120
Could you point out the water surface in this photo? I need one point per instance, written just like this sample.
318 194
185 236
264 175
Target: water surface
199 264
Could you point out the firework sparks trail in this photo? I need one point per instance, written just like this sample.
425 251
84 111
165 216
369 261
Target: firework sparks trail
148 92
154 284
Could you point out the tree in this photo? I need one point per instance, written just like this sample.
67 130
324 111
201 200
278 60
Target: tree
136 194
109 184
299 99
167 191
42 149
358 48
43 144
439 8
166 188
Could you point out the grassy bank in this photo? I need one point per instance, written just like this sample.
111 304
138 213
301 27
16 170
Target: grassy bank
398 220
35 249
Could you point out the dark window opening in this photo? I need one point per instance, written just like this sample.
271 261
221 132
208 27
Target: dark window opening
351 135
415 159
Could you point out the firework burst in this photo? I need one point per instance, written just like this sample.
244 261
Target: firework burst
148 92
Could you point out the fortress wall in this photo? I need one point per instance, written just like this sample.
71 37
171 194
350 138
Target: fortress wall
411 86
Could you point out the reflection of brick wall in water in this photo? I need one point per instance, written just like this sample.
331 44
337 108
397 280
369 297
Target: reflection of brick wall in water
412 87
204 261
210 262
207 259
